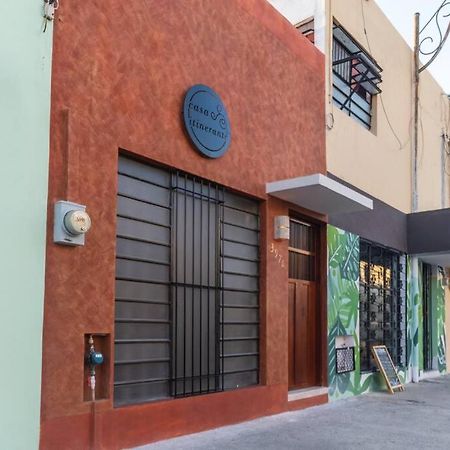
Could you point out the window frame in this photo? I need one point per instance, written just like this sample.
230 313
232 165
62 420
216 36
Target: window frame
356 77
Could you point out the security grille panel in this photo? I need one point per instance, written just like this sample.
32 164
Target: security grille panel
345 359
382 297
187 305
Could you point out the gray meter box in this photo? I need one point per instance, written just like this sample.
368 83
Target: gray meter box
60 232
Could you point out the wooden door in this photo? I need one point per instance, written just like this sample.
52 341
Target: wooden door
302 331
303 304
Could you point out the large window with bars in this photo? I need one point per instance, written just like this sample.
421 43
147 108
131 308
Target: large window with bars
187 303
382 315
356 77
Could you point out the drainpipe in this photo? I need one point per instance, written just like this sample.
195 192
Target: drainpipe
414 206
443 177
415 140
415 145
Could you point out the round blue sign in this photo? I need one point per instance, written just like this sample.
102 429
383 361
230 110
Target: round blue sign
206 121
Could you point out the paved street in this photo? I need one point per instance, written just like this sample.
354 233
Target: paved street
418 418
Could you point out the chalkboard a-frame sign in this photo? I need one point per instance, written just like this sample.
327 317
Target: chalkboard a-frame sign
384 362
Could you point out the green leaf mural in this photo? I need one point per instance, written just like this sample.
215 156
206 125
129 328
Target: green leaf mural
411 332
439 322
416 320
343 304
418 300
350 266
343 316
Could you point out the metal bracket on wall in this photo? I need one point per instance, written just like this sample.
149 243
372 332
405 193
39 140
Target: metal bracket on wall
50 6
443 12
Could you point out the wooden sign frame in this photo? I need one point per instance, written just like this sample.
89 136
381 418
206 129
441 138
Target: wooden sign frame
391 388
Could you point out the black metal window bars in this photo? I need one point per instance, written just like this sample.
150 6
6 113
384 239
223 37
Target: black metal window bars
427 317
187 286
356 77
209 287
382 297
197 280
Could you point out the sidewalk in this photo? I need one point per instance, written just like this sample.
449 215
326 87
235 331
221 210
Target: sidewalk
416 418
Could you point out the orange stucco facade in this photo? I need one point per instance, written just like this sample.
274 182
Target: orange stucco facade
119 78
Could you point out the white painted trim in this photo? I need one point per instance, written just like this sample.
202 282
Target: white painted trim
301 394
320 180
429 374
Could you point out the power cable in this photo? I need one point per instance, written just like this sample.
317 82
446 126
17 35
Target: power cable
401 146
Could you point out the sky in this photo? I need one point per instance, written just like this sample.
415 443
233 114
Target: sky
401 14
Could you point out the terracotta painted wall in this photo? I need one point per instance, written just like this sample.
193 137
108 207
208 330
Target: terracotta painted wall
119 77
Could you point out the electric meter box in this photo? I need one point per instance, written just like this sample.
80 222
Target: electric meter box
71 223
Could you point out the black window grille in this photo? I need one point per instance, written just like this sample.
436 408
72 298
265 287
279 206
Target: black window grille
427 271
382 303
356 77
187 303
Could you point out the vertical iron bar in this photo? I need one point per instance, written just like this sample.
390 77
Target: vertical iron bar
171 306
405 301
201 283
399 318
222 284
383 259
424 301
209 281
426 315
193 289
217 292
429 322
427 293
394 313
395 302
175 250
184 279
430 318
369 294
258 265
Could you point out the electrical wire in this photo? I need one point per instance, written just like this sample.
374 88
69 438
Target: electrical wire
401 146
329 51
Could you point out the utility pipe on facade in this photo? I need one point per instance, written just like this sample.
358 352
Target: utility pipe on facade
415 200
415 140
432 54
415 150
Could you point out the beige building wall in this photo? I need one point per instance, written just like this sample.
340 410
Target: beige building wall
434 170
379 161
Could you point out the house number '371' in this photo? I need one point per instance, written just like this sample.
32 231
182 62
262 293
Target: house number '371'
278 256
